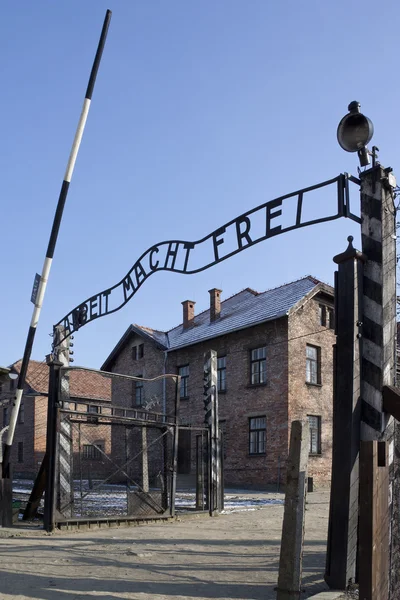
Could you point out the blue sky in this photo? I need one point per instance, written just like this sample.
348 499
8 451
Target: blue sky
201 111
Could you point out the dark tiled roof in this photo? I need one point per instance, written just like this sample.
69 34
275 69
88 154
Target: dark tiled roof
245 309
83 383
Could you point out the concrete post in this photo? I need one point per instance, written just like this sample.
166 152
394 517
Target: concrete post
145 461
291 556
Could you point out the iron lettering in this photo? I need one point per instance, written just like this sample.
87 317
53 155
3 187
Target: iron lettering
265 221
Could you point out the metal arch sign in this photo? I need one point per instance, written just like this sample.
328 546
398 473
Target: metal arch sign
186 257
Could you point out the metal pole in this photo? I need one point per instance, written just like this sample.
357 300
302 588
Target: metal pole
38 300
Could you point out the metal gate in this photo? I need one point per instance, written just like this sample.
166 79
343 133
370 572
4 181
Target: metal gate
112 446
194 479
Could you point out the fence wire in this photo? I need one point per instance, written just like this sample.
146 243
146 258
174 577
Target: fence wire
115 445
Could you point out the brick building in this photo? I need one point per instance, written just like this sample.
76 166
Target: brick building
30 434
275 364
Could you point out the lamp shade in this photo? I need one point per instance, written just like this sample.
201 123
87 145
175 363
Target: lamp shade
355 130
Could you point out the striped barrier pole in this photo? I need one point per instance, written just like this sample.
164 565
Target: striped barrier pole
41 281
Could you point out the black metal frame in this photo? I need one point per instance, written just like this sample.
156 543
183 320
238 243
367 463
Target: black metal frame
99 305
118 415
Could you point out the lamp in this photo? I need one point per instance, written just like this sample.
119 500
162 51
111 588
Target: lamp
354 132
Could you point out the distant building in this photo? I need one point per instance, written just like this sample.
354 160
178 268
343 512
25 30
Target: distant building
275 365
30 435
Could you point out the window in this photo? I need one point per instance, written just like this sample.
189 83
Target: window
20 452
12 383
184 374
258 366
93 410
257 435
5 417
134 352
138 391
140 350
21 416
221 373
1 387
313 365
330 318
326 316
91 452
315 434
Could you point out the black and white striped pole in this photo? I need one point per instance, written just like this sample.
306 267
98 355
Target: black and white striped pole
211 420
376 366
41 281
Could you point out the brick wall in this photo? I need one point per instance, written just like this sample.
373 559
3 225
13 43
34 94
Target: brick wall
126 444
22 453
241 401
305 398
285 397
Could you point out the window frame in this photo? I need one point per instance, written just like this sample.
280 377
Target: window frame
318 429
94 455
317 362
140 353
184 382
138 386
260 437
5 416
259 362
326 316
330 317
221 378
91 411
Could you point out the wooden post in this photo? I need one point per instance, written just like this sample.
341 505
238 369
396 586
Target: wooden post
211 419
5 501
51 445
65 481
374 521
343 515
291 556
378 370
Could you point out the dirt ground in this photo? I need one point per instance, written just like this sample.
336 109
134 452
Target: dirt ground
230 557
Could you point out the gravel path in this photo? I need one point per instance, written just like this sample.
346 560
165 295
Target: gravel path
230 557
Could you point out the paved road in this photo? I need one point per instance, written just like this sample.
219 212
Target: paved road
230 557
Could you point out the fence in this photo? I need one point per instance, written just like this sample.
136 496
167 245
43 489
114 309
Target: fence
114 447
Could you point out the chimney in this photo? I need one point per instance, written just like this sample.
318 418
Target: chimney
215 304
188 313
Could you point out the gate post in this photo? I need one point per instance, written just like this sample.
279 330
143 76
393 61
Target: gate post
211 419
51 444
378 232
59 477
343 514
